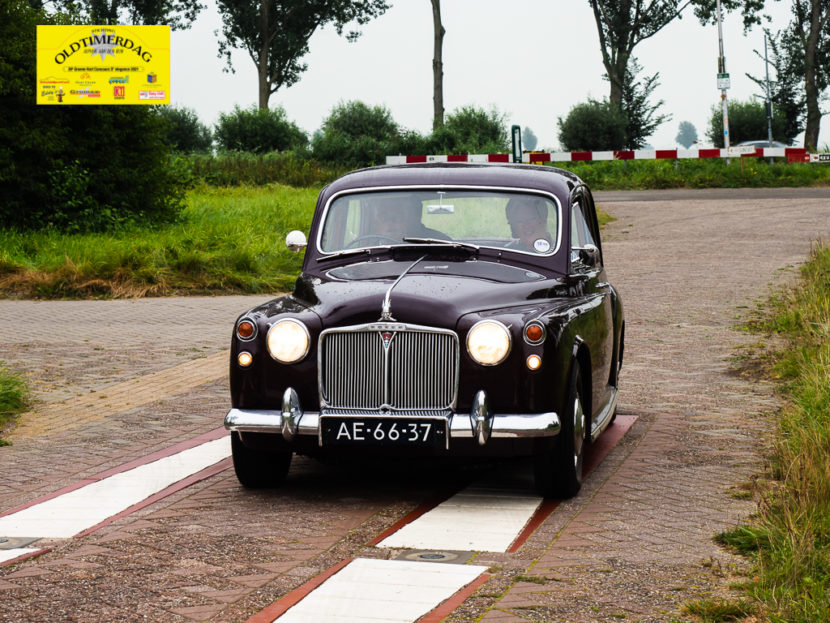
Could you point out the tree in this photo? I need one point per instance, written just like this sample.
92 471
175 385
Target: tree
642 117
178 14
529 140
622 25
73 168
356 135
747 121
806 48
470 130
258 130
592 126
786 90
437 66
184 132
686 134
275 33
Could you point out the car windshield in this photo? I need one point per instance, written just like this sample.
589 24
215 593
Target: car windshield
523 222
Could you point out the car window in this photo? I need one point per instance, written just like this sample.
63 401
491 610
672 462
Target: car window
580 232
519 221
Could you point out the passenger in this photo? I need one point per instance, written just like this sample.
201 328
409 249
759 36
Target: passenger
528 219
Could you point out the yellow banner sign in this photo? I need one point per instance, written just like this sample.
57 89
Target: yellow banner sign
103 65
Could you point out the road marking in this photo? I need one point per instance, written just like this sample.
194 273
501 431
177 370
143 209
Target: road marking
68 414
369 590
75 511
477 519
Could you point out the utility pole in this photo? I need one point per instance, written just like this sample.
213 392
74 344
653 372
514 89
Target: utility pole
769 99
723 82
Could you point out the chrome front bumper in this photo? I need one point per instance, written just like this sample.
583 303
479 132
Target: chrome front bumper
480 424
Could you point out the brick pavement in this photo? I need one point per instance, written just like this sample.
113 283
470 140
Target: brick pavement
636 543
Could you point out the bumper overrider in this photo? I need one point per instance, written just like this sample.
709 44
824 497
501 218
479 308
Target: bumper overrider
481 424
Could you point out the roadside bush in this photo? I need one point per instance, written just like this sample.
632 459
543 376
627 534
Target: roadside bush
74 168
258 130
747 122
470 130
593 126
356 135
184 132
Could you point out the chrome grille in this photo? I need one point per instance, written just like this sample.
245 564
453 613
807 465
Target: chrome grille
418 369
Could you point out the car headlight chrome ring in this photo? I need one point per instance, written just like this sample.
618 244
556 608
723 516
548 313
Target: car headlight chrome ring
288 341
488 342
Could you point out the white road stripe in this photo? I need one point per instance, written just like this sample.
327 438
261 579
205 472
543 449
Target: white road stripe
394 591
476 519
67 515
8 554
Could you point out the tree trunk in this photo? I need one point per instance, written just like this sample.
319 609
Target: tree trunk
437 67
262 61
616 76
811 90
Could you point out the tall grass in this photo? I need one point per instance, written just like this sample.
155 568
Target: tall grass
14 396
241 168
791 541
229 240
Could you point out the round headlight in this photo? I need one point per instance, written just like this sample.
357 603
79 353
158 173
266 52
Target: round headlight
488 342
288 341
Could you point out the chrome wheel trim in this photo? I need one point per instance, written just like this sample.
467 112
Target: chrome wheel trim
579 434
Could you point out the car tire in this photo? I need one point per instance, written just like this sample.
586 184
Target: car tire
258 469
558 472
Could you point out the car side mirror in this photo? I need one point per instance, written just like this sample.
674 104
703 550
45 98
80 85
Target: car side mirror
588 255
296 240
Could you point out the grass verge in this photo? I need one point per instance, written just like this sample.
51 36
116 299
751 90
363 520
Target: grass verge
14 397
790 539
230 240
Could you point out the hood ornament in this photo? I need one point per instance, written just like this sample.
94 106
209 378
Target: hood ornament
386 308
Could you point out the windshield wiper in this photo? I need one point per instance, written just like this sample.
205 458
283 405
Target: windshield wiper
344 253
447 243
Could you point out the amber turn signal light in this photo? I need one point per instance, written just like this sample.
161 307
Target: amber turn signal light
245 330
534 333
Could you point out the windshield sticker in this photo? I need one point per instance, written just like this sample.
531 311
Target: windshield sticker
541 245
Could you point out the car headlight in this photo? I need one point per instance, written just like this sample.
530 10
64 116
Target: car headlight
488 342
288 341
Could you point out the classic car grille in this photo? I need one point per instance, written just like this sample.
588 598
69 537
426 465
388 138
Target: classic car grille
416 369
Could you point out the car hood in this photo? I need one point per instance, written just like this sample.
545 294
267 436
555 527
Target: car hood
438 295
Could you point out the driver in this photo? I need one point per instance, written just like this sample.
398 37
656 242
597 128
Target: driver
528 219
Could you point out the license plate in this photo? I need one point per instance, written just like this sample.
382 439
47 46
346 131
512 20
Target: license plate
387 431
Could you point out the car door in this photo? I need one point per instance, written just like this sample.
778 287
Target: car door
596 326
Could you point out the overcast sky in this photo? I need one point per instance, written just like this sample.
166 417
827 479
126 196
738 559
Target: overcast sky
531 59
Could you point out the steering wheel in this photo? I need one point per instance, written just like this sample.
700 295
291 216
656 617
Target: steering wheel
378 237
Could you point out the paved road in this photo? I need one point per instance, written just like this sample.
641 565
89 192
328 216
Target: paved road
120 379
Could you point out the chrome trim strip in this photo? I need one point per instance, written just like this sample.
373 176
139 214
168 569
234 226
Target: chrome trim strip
604 418
505 426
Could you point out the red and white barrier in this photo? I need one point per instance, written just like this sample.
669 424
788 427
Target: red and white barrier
792 154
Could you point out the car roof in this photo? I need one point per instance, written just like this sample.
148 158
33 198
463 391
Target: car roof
530 177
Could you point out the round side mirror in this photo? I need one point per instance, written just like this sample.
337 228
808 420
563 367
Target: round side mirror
295 241
589 254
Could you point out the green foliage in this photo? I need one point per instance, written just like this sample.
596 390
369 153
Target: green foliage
642 117
184 132
239 168
14 397
593 126
747 121
470 130
790 540
228 240
720 610
74 168
686 134
258 130
355 135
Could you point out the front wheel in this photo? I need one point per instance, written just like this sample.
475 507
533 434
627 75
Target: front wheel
558 472
258 469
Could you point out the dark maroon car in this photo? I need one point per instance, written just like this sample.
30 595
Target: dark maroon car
442 309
